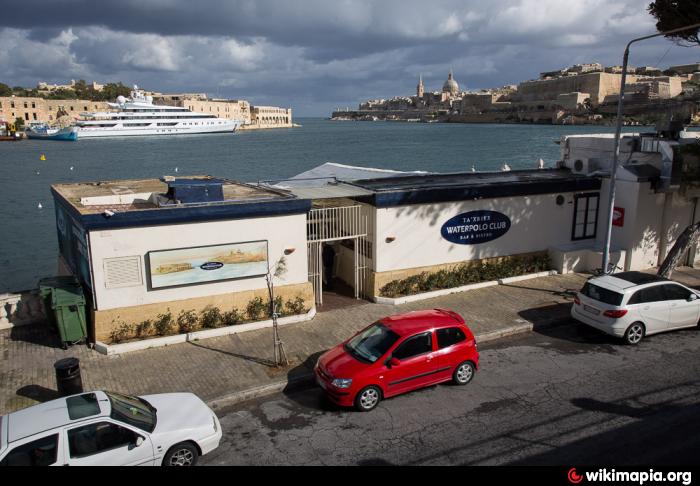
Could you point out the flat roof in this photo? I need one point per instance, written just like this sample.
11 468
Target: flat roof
427 188
147 202
129 195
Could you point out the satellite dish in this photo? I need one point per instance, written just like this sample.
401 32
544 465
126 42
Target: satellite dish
149 99
121 100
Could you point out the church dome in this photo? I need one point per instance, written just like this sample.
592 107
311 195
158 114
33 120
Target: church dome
450 85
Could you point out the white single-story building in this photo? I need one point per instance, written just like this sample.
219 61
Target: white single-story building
145 247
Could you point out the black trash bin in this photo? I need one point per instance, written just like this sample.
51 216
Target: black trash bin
68 380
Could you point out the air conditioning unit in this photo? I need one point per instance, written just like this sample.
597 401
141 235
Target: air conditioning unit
585 166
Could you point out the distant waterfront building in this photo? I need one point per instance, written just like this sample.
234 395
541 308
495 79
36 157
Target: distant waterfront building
253 117
686 68
556 97
48 88
42 110
270 117
451 87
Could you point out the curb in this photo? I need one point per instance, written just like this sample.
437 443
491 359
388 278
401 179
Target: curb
305 381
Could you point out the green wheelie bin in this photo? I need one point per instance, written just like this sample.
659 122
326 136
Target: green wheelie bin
64 303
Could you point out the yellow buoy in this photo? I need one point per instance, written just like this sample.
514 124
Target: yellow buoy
42 157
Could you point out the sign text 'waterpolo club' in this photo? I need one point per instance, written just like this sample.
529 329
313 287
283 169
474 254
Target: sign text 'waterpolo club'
475 227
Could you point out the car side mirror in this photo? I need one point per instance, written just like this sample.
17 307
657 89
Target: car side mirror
693 297
139 441
393 362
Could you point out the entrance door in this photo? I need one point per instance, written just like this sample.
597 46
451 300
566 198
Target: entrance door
316 270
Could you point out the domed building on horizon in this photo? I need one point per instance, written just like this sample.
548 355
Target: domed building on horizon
450 85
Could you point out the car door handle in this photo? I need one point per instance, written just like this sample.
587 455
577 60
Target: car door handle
429 359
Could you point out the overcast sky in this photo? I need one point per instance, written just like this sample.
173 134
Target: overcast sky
316 55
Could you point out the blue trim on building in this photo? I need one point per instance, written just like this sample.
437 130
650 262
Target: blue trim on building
184 214
465 193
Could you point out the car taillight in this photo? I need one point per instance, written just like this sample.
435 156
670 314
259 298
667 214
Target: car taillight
577 301
616 314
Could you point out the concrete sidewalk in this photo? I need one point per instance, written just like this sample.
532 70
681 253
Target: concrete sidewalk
232 368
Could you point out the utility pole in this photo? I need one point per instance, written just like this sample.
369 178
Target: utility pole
618 129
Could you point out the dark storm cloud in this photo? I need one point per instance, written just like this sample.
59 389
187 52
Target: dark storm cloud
313 54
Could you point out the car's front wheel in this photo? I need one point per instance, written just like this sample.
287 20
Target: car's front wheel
634 333
368 398
182 454
463 373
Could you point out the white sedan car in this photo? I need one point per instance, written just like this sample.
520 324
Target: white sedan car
632 305
109 429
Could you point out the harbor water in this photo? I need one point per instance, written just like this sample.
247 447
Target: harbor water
28 246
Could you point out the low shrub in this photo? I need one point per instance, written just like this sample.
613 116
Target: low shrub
145 329
232 317
296 306
187 321
164 324
122 333
256 309
465 274
212 318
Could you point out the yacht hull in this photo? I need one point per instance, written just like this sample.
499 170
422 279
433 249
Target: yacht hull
97 132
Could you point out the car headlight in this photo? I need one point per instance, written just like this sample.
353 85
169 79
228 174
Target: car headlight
342 382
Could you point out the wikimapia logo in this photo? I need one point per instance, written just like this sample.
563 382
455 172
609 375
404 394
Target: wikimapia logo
636 477
574 477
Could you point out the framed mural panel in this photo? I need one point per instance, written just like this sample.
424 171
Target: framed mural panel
204 264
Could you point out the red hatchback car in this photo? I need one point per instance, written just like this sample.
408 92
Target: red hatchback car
398 354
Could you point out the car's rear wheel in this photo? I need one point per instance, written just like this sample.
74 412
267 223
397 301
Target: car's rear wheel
182 454
368 398
635 333
464 373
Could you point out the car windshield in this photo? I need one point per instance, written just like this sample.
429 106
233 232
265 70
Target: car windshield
133 411
372 343
601 295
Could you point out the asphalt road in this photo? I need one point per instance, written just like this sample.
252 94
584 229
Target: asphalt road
564 396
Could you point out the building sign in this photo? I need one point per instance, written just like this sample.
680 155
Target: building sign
475 227
618 217
189 266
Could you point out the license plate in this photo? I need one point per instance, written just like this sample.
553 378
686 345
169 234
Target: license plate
591 310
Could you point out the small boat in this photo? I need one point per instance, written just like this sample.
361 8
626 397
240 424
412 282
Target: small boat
44 132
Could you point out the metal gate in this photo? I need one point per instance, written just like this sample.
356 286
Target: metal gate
339 223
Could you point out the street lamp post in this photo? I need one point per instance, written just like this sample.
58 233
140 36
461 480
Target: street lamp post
618 129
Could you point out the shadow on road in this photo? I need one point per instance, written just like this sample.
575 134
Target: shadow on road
38 393
253 359
662 434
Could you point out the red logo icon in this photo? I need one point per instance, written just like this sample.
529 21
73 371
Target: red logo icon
574 477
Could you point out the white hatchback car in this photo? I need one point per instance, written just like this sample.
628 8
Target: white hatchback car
109 429
631 305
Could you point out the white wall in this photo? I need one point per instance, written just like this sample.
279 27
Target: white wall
280 232
646 213
536 224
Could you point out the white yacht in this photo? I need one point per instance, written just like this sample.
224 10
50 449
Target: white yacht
138 115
